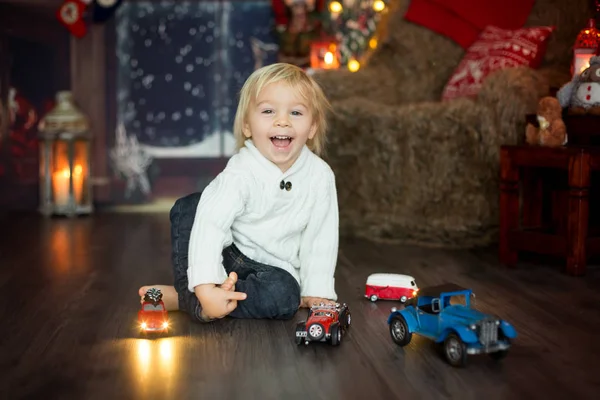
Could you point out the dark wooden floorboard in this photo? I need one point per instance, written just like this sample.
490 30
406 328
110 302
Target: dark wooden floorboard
68 306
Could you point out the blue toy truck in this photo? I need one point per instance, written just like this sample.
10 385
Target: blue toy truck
443 313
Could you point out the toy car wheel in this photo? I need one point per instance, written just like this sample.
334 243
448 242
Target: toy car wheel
345 319
399 331
336 335
373 298
403 299
455 351
316 331
301 327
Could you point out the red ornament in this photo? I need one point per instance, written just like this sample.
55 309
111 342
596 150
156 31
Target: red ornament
70 14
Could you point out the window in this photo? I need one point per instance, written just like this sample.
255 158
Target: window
151 307
457 300
180 66
323 314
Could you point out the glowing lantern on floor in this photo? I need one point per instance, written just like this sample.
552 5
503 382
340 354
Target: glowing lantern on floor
324 55
65 160
585 47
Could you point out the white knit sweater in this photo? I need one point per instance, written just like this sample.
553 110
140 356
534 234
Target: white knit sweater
296 230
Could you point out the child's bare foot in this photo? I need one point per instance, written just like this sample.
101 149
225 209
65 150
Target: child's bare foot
169 297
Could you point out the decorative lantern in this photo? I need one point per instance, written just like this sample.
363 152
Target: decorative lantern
65 160
324 55
585 47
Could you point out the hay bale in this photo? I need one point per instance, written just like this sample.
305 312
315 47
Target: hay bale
412 169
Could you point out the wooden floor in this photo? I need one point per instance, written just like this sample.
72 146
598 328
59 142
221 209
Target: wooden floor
68 310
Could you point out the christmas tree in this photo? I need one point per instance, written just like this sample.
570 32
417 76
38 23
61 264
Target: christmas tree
354 25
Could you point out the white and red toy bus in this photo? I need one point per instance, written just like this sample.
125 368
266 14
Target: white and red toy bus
384 286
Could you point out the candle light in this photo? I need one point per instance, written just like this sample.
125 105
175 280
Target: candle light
323 55
582 61
328 58
60 185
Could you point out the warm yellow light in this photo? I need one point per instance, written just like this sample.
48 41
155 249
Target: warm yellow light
353 65
335 7
143 352
328 58
166 350
373 43
77 170
61 185
581 60
144 325
165 324
378 5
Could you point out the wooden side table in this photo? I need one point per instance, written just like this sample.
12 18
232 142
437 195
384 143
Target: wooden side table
530 178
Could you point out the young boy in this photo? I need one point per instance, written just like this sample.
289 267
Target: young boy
262 239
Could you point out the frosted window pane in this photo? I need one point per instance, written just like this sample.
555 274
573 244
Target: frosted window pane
180 67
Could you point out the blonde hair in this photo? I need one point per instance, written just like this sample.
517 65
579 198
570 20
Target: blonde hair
298 80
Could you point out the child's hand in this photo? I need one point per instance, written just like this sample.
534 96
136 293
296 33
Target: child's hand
219 301
308 302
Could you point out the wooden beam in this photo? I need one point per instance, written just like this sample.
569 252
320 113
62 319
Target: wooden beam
88 84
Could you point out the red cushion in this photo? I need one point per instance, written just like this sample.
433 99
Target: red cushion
463 20
494 50
442 21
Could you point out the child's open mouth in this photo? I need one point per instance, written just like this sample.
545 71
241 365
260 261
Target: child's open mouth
281 142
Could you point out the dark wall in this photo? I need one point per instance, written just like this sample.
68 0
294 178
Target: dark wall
35 65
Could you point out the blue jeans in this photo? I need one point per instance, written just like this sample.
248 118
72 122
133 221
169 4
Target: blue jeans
272 292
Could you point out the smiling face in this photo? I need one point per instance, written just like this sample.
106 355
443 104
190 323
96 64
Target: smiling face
280 122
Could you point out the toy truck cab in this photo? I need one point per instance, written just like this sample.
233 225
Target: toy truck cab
444 314
385 286
324 323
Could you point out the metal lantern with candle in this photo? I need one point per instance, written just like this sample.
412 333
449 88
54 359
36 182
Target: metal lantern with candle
585 47
65 160
324 55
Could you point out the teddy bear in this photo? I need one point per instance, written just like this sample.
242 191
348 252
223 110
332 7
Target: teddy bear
549 129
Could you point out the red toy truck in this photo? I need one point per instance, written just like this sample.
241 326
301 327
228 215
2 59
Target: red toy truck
384 286
153 316
324 323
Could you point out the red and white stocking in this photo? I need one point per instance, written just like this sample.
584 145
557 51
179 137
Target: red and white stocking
70 14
